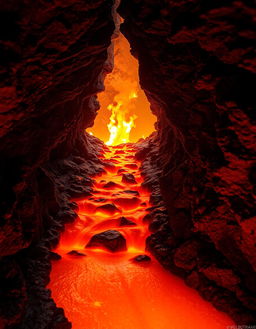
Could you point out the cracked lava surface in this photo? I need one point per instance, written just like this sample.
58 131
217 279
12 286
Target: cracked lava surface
99 286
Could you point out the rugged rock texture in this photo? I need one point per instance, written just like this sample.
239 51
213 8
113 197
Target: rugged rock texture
111 240
53 56
197 67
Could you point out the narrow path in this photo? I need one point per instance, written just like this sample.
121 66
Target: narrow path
107 290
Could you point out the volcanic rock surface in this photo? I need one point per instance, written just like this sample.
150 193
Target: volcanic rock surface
197 67
53 57
76 253
141 259
126 222
111 240
129 179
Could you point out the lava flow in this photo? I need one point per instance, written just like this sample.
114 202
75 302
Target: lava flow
98 282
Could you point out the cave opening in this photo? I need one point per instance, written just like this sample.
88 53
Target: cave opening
124 114
103 275
101 227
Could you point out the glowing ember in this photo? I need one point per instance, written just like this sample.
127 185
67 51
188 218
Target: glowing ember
124 106
111 290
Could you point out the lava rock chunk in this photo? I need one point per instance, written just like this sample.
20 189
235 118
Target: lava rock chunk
131 166
129 179
126 222
141 259
111 240
110 185
54 256
131 192
76 253
127 203
108 208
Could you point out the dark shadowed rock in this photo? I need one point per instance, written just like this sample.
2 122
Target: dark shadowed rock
111 240
131 192
141 259
99 200
128 179
54 256
76 253
131 166
147 218
110 185
108 208
126 222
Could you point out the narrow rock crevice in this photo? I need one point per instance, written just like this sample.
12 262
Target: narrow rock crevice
197 68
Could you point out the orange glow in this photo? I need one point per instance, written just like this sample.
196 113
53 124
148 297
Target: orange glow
107 290
118 127
125 114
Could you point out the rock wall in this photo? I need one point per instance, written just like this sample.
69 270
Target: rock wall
197 67
53 56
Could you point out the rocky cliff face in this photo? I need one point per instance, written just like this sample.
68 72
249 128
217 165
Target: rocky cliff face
53 57
197 67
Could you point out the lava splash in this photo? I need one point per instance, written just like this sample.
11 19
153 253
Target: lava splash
105 278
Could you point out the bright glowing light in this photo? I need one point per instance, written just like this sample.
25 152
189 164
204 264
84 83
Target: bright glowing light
123 103
133 95
118 127
108 290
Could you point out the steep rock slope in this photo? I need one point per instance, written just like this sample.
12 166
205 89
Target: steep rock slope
53 56
197 67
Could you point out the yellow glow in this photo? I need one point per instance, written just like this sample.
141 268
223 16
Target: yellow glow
119 128
125 114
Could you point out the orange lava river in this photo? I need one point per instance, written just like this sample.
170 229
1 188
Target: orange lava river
106 290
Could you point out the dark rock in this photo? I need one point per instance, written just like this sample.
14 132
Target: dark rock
128 179
127 203
110 185
54 256
108 208
203 151
186 255
147 218
111 240
131 192
141 259
38 175
126 222
76 253
131 166
100 200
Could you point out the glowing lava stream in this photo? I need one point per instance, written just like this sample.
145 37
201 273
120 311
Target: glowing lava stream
105 290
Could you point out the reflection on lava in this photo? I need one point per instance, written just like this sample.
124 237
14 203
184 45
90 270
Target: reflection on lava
105 289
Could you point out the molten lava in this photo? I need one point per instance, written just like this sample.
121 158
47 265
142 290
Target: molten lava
102 287
124 105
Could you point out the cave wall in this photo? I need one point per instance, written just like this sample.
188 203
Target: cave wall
197 67
53 58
